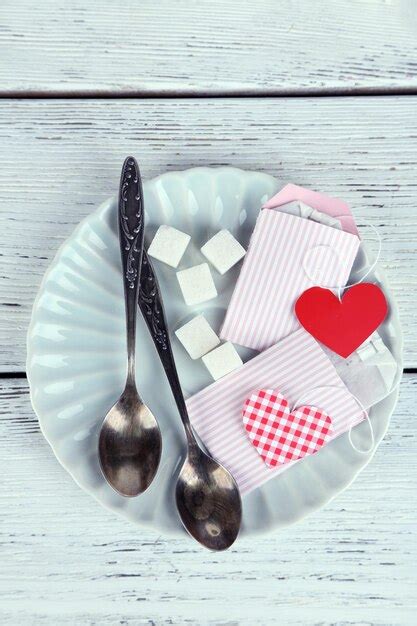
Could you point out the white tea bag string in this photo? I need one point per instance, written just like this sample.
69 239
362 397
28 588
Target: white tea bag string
365 412
340 288
363 409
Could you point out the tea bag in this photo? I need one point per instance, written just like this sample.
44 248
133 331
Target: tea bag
300 209
369 372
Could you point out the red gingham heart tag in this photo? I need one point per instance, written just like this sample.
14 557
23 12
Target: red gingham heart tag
281 435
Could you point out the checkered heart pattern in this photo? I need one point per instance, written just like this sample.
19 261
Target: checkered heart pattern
281 435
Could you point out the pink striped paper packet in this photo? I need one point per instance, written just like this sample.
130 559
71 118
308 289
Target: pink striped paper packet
299 369
286 256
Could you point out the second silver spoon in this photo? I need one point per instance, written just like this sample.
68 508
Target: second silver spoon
206 494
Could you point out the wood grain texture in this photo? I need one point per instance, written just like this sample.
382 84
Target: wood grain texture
207 46
65 560
60 159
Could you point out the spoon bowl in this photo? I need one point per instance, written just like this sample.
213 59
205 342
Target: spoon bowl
208 501
130 445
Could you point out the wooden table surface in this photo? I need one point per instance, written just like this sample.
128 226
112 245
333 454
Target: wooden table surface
320 93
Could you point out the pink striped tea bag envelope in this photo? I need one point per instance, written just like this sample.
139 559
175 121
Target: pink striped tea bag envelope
287 255
298 368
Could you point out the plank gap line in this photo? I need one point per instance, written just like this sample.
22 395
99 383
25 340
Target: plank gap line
185 94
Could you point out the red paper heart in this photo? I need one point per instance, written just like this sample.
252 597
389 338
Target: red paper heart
280 435
342 326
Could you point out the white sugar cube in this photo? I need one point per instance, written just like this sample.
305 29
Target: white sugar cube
223 251
197 284
197 337
169 245
222 360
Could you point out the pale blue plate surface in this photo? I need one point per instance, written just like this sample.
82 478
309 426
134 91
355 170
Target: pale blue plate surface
76 351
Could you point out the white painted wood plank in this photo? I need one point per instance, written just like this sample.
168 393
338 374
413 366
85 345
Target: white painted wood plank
209 46
65 560
60 159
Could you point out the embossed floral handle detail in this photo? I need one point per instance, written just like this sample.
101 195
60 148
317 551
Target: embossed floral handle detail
131 231
140 283
151 306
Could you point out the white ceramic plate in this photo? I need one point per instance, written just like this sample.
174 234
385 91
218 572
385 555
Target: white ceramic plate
76 351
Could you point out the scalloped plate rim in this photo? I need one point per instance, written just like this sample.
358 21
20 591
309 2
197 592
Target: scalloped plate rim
327 497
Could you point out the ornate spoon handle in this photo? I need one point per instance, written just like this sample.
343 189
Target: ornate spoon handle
131 229
150 304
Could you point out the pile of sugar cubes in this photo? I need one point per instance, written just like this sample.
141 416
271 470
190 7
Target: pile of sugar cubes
223 251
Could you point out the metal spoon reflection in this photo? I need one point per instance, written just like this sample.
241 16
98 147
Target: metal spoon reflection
208 499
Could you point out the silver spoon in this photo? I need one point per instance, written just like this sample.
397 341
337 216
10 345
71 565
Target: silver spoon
206 494
130 440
